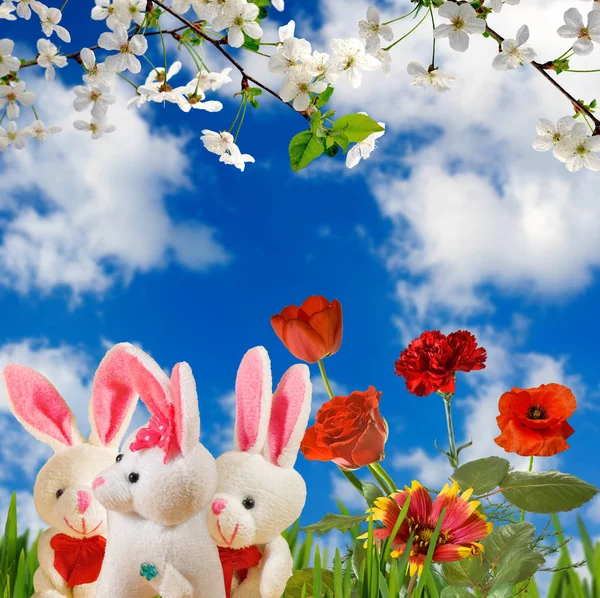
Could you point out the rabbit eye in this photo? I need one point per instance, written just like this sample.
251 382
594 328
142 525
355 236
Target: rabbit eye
248 503
119 457
134 477
59 493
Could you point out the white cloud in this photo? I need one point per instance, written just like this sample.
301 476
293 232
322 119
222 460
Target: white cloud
83 214
343 490
429 471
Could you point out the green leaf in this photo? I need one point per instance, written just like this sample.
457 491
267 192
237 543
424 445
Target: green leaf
251 44
324 96
483 475
305 578
255 91
304 148
451 592
356 126
371 492
501 591
333 521
343 142
546 491
507 556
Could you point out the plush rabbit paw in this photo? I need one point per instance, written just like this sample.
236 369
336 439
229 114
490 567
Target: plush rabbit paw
49 594
276 570
170 584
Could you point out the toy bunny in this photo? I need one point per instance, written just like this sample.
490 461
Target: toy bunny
259 494
71 551
157 494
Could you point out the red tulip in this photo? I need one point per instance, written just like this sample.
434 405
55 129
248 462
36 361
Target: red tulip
313 330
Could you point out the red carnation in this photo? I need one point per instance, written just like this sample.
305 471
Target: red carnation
428 364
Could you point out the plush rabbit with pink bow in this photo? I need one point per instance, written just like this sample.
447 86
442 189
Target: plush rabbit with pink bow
259 494
157 493
70 552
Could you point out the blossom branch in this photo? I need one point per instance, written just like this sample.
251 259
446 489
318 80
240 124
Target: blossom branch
218 44
543 70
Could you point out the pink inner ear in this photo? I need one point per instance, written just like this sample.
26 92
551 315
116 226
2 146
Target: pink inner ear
176 398
36 402
118 380
287 406
248 391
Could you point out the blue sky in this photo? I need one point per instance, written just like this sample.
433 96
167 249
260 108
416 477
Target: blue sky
455 222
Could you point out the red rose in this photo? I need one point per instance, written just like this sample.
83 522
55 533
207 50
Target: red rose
533 422
430 361
313 330
348 431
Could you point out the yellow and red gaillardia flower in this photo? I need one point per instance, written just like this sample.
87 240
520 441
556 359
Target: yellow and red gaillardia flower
349 431
429 363
533 421
313 330
461 532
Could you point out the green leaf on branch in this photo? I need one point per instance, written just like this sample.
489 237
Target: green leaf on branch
324 96
356 127
507 559
343 142
304 578
546 491
332 521
304 148
483 475
251 44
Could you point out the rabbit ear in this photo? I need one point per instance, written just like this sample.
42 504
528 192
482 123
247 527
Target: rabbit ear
289 416
125 373
40 408
253 388
185 402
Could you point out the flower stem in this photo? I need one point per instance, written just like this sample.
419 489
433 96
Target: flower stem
588 71
411 585
407 34
530 469
351 477
386 476
325 379
402 17
453 454
433 51
380 481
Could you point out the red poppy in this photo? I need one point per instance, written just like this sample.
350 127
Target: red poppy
348 431
461 531
429 363
313 330
533 421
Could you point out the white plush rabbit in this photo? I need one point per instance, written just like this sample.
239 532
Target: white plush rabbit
71 551
259 494
157 494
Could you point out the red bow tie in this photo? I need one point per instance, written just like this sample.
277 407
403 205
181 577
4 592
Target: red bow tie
238 562
78 560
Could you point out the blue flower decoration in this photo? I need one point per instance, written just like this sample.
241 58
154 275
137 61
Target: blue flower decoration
148 571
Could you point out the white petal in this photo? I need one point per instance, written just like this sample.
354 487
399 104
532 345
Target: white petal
253 29
235 37
583 47
353 156
459 40
522 35
138 45
501 62
542 144
416 69
442 30
449 10
574 19
592 162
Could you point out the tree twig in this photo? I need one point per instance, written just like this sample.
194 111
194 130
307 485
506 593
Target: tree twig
543 70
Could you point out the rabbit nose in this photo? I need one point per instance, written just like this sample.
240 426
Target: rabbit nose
83 501
218 505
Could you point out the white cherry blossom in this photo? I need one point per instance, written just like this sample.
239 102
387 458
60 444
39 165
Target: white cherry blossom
131 10
97 127
496 5
8 62
514 53
286 31
127 49
435 78
13 136
40 132
385 58
50 19
24 8
238 17
577 149
208 10
48 58
289 55
585 34
371 31
223 144
195 98
235 157
212 80
105 9
549 134
6 10
13 95
278 5
297 89
98 97
95 73
352 58
464 22
321 64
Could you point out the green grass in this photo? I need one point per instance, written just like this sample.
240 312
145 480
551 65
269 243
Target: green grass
362 572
